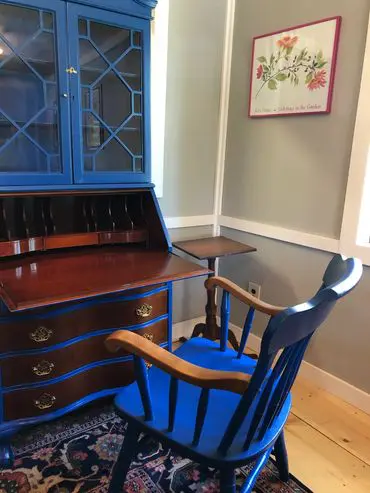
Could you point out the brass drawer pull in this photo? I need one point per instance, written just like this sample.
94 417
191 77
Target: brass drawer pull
43 368
45 401
150 337
148 365
144 310
41 334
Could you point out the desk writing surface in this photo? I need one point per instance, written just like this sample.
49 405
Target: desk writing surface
47 279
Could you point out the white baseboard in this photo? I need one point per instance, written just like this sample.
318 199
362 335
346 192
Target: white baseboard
185 328
330 383
189 221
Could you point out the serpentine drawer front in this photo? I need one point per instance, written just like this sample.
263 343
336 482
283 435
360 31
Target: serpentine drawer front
34 368
74 320
49 398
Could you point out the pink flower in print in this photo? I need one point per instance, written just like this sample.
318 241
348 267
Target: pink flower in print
259 72
43 454
287 42
318 80
79 455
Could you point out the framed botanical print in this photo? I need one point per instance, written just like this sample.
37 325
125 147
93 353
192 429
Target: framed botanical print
293 70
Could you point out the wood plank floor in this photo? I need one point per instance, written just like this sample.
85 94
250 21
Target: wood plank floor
328 442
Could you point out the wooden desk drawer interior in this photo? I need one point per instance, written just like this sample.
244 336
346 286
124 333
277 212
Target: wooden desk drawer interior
38 368
70 322
38 401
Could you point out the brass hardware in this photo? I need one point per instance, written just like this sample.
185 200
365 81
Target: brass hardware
71 70
65 95
41 334
45 401
150 337
144 310
148 365
43 368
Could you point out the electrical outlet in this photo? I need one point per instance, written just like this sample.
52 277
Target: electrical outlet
255 289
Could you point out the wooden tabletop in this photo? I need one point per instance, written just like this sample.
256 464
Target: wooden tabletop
214 247
46 279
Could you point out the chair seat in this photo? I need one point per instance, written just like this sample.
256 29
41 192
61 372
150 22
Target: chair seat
222 405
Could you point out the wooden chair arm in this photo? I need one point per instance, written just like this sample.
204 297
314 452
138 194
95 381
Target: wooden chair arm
243 295
236 382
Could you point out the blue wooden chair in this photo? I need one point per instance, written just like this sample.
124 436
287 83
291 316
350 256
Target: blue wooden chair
219 408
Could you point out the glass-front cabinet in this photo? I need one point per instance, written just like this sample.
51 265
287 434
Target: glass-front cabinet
74 83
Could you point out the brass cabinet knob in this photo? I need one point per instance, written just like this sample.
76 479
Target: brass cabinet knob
144 310
45 401
41 334
71 70
43 368
148 365
148 336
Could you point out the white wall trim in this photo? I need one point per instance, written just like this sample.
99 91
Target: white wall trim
277 233
332 384
189 221
224 112
354 238
159 48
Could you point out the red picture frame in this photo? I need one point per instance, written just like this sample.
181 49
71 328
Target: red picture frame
293 71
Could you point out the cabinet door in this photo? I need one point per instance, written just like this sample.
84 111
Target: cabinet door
34 130
110 52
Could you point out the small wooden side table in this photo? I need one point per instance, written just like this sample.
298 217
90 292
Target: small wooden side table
209 249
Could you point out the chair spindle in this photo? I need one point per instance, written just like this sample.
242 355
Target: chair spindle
174 390
201 415
141 373
246 330
225 316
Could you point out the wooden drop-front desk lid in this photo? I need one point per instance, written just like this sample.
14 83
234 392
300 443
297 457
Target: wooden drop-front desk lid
43 280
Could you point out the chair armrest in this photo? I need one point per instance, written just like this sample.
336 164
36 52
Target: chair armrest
236 382
243 295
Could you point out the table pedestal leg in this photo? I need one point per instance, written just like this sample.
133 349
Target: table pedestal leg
210 330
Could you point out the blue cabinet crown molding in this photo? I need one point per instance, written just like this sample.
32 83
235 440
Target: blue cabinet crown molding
137 8
147 3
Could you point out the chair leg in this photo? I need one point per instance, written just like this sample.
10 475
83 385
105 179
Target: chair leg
227 481
282 458
127 453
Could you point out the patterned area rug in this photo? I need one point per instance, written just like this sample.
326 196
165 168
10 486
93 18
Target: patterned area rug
76 454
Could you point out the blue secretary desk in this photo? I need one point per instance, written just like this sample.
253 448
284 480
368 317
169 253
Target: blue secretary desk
83 246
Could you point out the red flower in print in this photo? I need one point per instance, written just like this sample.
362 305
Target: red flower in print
259 72
287 42
318 80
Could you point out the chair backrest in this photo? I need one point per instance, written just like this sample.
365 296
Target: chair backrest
289 332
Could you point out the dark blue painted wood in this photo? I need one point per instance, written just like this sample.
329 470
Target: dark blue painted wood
227 481
281 456
141 374
136 8
201 416
174 392
76 12
246 331
239 429
225 317
127 453
47 178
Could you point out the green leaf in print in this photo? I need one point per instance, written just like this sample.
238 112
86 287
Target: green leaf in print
281 77
321 64
272 84
320 55
262 59
309 77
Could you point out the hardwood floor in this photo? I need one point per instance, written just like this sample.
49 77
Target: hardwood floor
328 441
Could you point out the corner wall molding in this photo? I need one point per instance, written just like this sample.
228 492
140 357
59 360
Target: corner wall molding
189 221
282 234
224 111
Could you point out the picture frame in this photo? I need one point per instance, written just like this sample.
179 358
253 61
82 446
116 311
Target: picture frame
293 70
